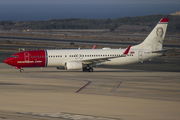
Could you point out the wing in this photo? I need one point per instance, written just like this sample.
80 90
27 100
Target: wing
99 60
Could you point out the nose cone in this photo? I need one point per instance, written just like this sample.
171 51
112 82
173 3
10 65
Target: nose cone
5 61
8 61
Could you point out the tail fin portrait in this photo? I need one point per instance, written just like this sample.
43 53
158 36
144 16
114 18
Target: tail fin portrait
154 40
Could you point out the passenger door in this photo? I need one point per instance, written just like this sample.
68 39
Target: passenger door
140 54
26 56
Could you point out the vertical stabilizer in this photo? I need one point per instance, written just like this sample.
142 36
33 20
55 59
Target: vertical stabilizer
155 39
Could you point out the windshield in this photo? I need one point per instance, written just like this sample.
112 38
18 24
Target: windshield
14 56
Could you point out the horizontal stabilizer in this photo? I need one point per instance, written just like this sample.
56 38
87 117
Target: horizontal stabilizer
161 51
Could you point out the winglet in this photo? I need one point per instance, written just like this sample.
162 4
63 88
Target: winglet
94 46
127 50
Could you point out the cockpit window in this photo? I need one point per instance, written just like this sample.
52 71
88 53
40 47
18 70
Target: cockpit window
15 56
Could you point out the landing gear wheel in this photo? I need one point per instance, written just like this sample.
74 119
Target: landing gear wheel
90 69
21 70
85 69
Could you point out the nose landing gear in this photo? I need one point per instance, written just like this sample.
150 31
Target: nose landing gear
21 70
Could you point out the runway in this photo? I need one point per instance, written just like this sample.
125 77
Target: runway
76 41
112 94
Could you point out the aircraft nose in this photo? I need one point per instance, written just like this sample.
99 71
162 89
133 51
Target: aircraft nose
7 61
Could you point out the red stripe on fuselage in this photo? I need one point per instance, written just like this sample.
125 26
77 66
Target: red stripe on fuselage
35 58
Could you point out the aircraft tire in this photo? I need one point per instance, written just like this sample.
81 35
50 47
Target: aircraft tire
90 69
21 70
85 69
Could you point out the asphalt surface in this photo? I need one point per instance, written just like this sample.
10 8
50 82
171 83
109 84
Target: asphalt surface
111 94
74 41
148 90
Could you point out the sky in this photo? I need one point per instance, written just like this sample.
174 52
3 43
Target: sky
89 1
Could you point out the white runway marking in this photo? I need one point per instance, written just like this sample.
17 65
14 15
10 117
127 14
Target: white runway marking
100 86
69 116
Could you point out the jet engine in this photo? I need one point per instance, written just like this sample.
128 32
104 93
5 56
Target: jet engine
71 65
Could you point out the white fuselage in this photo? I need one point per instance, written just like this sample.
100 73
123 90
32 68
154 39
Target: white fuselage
57 58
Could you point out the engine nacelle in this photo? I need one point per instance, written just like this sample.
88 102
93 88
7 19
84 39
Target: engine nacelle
71 65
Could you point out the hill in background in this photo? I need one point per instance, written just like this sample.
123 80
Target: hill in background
141 24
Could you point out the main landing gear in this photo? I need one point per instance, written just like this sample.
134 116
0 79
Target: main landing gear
87 69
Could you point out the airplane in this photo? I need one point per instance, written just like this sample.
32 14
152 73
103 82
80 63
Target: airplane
85 59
